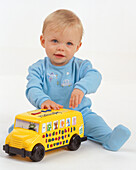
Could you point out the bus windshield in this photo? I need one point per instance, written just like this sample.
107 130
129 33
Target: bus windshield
27 125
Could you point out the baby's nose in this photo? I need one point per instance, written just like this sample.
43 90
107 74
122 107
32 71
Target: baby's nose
61 47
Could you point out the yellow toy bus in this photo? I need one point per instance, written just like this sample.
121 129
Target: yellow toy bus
38 131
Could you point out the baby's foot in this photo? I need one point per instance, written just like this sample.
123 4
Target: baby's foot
117 138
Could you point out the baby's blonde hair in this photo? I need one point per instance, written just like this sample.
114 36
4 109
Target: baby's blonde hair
61 19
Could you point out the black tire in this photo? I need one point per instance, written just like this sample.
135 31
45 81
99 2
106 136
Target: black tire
38 153
75 142
12 154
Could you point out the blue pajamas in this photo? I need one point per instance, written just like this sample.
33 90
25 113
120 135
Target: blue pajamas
49 82
97 130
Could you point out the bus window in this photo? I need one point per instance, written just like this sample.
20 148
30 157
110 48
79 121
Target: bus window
49 126
27 125
43 127
67 122
62 123
55 125
74 120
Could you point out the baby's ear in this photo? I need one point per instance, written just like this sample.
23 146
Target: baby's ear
79 45
42 41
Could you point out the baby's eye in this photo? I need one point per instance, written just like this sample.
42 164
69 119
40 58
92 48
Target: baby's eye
54 40
69 43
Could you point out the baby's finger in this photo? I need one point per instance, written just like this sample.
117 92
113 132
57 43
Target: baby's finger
53 106
73 102
76 101
47 107
70 102
42 106
56 106
80 99
59 106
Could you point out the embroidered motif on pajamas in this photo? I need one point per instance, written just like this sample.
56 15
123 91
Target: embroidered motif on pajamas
51 76
66 82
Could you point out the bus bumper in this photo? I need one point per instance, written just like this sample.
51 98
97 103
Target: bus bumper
12 150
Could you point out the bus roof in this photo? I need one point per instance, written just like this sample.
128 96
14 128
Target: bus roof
42 115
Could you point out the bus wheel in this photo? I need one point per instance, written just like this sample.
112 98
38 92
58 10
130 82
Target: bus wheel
38 153
75 142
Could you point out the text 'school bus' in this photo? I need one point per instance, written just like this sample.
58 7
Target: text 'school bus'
38 131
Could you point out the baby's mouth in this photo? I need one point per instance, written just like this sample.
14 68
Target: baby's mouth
59 55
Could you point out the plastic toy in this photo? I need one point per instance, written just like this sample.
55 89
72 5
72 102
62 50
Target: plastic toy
39 131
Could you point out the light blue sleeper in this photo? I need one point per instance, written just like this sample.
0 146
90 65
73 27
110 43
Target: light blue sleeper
49 82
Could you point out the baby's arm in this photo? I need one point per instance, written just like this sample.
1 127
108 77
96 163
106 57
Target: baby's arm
90 80
34 91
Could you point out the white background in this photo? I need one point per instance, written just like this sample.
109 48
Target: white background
109 42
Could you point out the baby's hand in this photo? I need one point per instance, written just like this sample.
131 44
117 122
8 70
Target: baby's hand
76 98
49 104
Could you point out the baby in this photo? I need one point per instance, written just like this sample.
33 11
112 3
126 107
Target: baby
62 80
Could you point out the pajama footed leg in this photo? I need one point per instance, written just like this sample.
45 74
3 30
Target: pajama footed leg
97 130
117 138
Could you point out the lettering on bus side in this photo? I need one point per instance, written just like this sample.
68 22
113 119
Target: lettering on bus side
58 132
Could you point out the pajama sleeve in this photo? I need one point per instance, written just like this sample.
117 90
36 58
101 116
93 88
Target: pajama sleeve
89 78
34 91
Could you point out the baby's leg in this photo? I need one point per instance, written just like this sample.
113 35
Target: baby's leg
97 130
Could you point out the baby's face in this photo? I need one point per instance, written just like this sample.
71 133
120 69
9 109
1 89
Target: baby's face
60 46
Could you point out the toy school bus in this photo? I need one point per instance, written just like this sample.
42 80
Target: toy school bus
38 131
